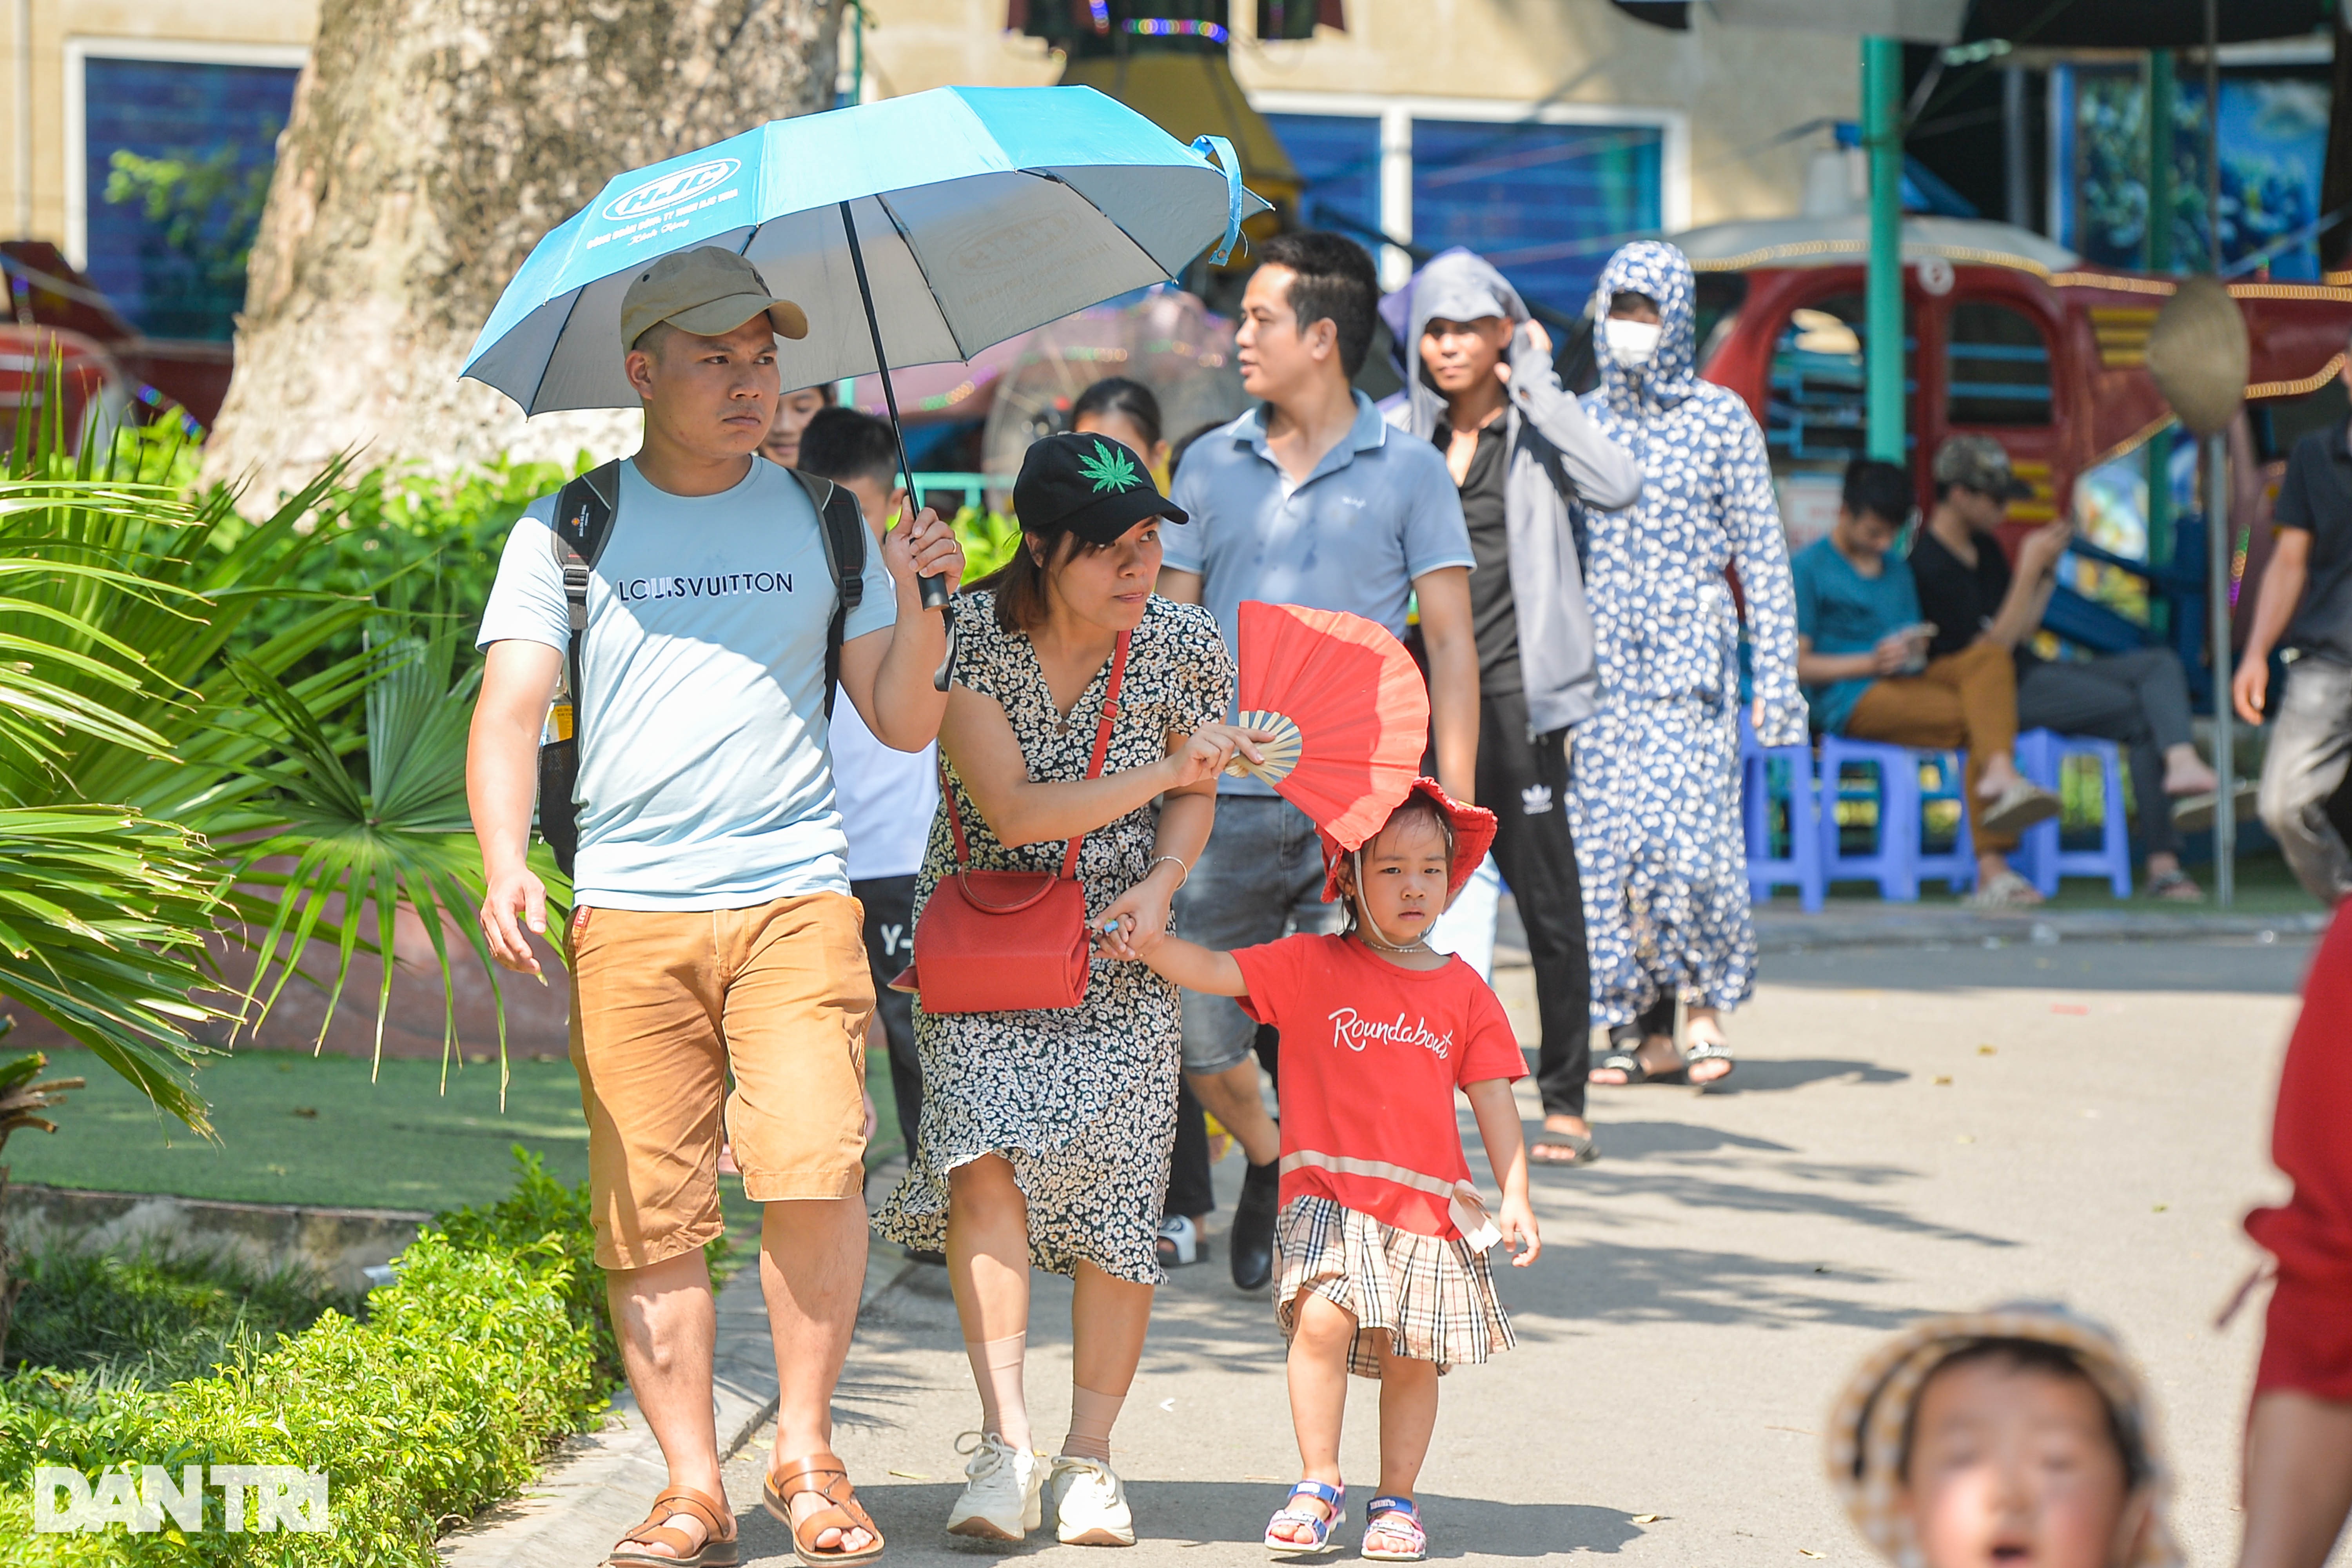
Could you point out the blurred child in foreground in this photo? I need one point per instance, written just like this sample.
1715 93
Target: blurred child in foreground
2017 1437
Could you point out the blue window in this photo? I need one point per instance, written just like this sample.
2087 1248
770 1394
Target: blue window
1338 157
178 157
1545 204
1999 367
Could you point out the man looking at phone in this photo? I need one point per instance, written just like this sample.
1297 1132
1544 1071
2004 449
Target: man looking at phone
1861 652
2138 698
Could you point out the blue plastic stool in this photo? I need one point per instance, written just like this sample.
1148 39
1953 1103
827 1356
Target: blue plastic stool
1956 867
2041 859
1897 863
1802 864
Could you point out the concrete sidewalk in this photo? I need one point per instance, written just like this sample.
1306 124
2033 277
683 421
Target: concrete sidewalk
1908 1131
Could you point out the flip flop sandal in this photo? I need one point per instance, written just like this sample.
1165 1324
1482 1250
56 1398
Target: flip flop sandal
1395 1517
1333 1498
2007 891
846 1513
2176 887
718 1521
1627 1062
1581 1149
2016 808
1707 1051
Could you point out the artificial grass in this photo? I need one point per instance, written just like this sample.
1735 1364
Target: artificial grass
296 1128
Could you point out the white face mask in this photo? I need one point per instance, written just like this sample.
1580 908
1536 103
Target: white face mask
1631 344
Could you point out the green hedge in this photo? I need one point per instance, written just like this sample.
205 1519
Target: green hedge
490 1345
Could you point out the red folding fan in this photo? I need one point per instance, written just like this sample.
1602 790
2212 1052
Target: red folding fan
1348 706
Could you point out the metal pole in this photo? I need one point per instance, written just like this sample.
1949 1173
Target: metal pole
2160 97
2218 540
2213 136
936 590
2218 553
2017 174
1881 134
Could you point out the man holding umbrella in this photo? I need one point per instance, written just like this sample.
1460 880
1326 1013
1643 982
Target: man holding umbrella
714 936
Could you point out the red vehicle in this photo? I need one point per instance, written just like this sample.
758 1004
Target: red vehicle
45 291
2009 336
97 398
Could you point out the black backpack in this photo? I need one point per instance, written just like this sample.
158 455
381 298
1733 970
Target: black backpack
584 514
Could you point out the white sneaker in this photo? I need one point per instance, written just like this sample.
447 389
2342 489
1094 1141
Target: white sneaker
1002 1484
1089 1503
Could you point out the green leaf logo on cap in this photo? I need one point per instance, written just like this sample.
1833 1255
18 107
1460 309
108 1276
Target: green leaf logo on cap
1111 470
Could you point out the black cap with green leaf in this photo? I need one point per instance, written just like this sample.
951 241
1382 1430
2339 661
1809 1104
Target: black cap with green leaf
1087 485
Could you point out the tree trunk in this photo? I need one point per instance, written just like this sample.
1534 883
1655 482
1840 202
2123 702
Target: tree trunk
432 143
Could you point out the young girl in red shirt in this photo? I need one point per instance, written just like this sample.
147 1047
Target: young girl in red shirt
1381 1241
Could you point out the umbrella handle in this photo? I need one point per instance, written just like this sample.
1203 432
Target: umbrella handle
936 590
1204 145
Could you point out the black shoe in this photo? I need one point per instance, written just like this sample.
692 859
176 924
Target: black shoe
1251 1241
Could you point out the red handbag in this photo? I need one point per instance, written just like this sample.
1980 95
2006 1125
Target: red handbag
998 941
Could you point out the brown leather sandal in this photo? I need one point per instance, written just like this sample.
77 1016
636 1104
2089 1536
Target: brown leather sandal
712 1513
846 1513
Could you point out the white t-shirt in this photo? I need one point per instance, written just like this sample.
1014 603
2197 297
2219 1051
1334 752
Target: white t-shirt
704 778
887 798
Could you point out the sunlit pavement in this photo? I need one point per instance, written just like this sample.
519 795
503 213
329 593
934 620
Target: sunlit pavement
1908 1132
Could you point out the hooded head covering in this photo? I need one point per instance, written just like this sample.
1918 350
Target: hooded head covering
1457 285
1474 833
1654 268
1871 1422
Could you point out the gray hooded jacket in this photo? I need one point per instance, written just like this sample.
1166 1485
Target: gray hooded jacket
1556 457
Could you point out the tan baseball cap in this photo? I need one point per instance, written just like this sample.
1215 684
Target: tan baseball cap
706 291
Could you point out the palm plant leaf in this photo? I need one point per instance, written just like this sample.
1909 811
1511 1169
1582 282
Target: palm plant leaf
134 671
359 854
102 919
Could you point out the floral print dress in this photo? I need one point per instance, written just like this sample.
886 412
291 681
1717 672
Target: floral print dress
1654 797
1081 1101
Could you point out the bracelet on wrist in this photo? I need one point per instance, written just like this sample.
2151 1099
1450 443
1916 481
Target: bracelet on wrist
1183 872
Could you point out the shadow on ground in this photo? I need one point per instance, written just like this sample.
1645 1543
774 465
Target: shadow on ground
2226 964
1197 1513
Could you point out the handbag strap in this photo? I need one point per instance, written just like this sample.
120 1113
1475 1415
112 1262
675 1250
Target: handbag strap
1094 768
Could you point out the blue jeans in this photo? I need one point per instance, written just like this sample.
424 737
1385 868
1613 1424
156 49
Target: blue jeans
1260 879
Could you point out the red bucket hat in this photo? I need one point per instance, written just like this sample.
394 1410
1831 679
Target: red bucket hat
1474 835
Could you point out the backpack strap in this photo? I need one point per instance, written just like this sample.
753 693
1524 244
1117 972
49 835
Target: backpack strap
584 512
844 530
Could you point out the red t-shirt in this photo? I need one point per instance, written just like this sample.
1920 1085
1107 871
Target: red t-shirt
2308 1345
1371 1055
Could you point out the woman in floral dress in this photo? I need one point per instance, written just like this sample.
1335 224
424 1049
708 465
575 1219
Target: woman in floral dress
1045 1134
1655 807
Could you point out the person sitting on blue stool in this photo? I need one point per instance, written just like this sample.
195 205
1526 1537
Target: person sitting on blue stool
1861 652
2138 698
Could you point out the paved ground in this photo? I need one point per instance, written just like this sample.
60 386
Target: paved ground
1713 1277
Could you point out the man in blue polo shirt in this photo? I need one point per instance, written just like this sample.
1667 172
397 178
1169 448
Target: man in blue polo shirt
1309 498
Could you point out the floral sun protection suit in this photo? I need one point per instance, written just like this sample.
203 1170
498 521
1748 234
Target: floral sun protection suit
1655 807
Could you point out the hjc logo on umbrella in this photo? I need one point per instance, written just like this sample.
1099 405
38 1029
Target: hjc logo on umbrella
670 190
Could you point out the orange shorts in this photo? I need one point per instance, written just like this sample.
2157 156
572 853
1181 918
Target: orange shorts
667 1006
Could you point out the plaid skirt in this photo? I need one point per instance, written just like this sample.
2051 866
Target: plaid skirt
1423 1296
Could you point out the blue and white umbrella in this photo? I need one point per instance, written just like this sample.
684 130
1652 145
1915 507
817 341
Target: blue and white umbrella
979 213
